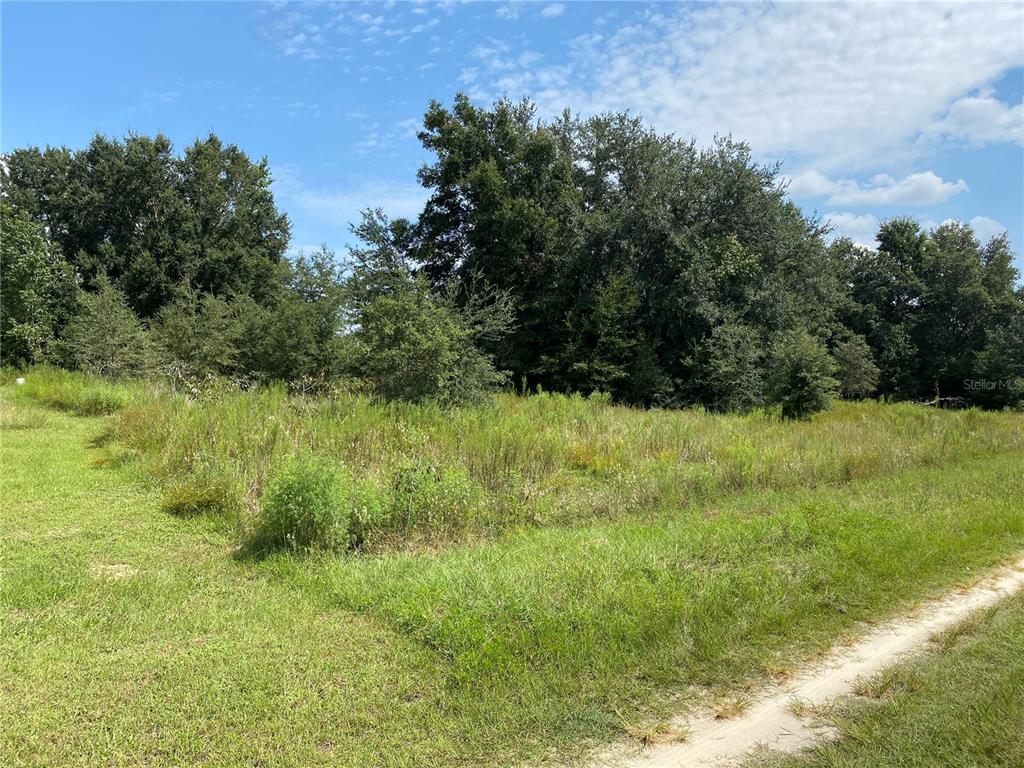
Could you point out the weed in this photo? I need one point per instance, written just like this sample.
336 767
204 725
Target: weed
731 706
302 510
468 473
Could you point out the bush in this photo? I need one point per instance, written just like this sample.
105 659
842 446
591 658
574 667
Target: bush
106 338
802 375
728 368
411 342
311 505
300 510
200 332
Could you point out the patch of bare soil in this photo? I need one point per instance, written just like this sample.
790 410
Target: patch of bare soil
112 571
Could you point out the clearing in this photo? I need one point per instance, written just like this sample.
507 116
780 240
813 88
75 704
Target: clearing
131 635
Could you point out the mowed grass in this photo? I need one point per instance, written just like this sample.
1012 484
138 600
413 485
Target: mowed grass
134 636
592 629
130 637
961 705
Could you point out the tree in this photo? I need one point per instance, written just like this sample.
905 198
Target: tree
855 368
729 368
409 342
37 290
802 375
150 221
998 376
200 332
299 333
933 307
955 310
606 348
106 338
621 249
885 296
238 234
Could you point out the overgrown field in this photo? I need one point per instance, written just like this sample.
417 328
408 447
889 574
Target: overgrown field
427 476
536 577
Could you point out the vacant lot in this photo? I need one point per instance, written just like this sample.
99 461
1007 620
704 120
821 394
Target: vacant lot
541 575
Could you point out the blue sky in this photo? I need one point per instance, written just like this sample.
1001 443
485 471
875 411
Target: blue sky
873 109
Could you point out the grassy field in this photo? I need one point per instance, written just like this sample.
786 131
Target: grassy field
962 705
610 566
438 477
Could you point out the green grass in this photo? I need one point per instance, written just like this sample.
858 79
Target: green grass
962 705
571 628
136 631
129 636
468 474
76 392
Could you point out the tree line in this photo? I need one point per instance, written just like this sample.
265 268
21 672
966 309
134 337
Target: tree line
573 255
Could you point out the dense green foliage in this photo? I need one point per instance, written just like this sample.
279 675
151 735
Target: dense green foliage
632 257
301 509
105 338
802 375
941 312
152 221
37 290
575 255
409 343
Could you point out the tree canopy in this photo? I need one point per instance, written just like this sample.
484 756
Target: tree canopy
151 221
574 254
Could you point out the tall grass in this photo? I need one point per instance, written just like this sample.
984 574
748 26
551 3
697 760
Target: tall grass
467 473
78 393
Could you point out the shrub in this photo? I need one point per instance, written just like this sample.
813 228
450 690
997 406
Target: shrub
802 376
200 332
728 367
106 338
855 368
411 342
300 509
312 505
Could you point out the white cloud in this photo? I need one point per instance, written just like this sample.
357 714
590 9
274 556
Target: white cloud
553 10
859 228
986 228
926 188
981 119
342 207
834 85
509 12
862 228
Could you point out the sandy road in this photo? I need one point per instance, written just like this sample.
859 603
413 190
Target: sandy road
770 721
